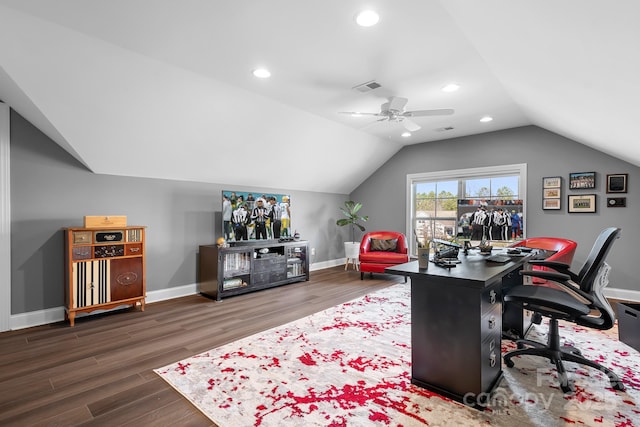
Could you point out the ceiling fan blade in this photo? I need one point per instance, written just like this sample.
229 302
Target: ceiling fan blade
395 104
422 113
356 114
371 124
410 125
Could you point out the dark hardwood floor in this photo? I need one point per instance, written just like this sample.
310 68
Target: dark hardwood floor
100 372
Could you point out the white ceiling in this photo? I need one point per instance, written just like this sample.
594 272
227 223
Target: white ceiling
167 84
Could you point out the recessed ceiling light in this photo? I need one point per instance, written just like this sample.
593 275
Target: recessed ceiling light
486 119
406 134
367 18
451 87
261 73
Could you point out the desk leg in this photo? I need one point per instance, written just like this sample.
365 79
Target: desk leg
516 322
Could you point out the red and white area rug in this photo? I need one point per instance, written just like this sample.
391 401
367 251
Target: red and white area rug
351 366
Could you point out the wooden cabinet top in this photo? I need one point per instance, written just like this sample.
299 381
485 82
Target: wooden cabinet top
128 227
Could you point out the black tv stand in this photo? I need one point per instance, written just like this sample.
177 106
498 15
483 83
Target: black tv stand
248 266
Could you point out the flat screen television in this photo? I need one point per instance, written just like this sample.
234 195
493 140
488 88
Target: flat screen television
503 219
255 216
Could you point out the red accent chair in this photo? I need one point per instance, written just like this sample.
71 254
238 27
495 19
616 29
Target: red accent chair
564 251
382 249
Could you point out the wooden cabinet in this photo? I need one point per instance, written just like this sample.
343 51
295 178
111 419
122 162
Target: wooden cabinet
251 266
104 268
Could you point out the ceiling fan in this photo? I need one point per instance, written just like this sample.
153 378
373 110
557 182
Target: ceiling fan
393 111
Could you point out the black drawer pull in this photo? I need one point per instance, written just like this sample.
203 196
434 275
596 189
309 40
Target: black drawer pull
630 313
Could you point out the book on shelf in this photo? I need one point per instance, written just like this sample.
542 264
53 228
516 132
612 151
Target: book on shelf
235 263
233 283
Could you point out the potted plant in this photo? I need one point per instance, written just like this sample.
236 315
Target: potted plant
353 219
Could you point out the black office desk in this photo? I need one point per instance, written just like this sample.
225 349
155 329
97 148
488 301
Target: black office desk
456 325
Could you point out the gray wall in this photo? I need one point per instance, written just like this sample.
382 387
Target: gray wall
546 154
51 190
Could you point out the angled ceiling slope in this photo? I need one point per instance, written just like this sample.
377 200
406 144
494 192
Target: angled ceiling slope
169 84
571 65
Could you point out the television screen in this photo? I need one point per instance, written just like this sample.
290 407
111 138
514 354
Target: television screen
492 219
255 216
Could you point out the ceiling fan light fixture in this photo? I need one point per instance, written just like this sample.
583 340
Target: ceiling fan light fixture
261 73
367 18
486 119
451 87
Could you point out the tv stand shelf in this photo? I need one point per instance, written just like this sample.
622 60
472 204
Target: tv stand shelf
249 266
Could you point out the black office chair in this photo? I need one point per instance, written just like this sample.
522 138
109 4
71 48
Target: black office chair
578 299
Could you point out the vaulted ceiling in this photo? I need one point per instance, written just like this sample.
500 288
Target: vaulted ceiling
167 85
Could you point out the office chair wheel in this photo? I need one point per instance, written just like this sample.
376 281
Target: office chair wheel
617 385
566 388
536 318
572 350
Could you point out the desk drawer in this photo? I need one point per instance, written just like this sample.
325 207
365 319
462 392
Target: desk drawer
134 249
491 323
490 360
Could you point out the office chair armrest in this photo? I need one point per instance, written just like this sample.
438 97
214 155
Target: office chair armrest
564 281
560 267
547 275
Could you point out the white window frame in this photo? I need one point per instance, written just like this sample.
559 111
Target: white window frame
457 174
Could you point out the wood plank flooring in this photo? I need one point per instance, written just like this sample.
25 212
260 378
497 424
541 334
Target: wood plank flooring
100 372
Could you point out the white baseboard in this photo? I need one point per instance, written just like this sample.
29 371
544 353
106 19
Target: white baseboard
623 294
36 318
171 293
52 315
56 314
326 264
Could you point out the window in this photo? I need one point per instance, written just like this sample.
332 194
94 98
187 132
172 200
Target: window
439 202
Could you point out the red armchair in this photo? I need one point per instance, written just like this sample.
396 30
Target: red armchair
382 249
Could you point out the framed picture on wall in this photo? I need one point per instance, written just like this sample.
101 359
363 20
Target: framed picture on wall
550 204
617 183
551 193
551 182
582 180
582 203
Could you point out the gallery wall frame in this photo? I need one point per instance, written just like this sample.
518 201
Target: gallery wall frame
551 204
582 180
616 202
551 192
617 183
582 203
551 182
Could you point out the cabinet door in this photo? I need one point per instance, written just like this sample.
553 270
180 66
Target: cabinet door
126 278
90 283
